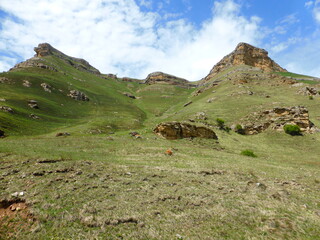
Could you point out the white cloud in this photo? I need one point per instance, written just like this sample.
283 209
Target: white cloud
308 4
116 36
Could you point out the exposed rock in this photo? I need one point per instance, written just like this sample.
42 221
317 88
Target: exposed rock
2 100
164 78
187 104
1 134
26 83
201 116
277 118
177 130
110 75
34 116
310 91
33 104
77 95
46 87
210 100
34 62
62 134
5 80
129 95
245 54
45 49
6 109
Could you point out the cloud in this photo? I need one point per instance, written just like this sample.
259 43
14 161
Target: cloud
116 36
308 4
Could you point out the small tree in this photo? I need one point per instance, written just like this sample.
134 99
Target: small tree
293 130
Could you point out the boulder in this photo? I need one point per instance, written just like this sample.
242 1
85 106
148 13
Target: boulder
46 87
26 83
4 80
129 95
6 109
177 130
33 104
77 95
308 91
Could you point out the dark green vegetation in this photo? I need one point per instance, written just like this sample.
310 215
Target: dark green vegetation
293 130
102 183
248 153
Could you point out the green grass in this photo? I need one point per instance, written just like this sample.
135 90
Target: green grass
101 183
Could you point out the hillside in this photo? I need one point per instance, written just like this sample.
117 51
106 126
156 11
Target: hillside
89 155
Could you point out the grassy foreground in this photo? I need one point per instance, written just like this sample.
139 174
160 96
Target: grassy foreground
92 187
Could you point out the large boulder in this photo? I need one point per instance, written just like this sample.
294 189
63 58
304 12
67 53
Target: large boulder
177 130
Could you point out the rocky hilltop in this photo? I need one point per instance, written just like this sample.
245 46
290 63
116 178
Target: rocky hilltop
164 78
45 49
246 54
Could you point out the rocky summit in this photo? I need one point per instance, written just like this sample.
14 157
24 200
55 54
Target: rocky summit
246 54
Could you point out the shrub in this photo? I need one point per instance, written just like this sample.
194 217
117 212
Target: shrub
239 129
248 153
310 97
220 122
293 130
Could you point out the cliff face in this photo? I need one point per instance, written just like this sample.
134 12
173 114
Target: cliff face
245 54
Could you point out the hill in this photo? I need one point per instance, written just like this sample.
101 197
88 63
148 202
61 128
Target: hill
89 155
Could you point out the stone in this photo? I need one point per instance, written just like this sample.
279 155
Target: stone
187 104
34 116
63 134
26 83
77 95
308 91
6 109
33 104
2 100
177 130
129 95
46 87
246 54
4 80
201 116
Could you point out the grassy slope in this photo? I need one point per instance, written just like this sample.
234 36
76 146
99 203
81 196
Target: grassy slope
206 190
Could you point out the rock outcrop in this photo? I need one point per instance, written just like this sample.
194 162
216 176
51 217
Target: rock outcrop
164 78
33 104
309 91
177 130
77 95
245 54
276 119
46 87
6 109
45 49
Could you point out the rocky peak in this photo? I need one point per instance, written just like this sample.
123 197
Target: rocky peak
164 78
246 54
45 49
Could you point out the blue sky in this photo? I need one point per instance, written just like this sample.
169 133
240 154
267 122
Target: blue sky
182 37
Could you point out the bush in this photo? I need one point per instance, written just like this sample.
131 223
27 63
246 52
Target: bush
310 97
220 122
248 153
239 129
293 130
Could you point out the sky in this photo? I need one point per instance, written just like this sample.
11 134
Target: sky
186 38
